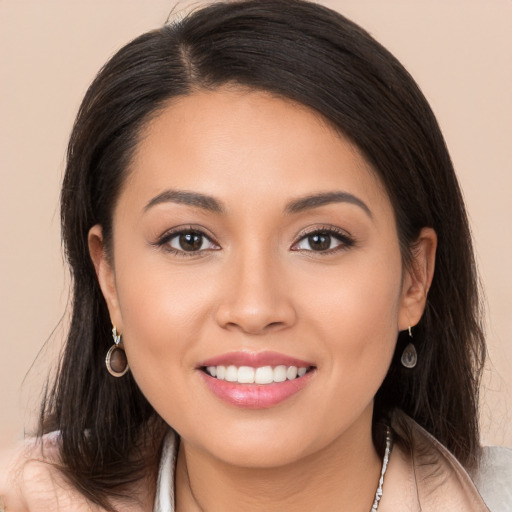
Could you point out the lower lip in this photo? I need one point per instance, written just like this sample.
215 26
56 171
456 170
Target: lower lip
255 396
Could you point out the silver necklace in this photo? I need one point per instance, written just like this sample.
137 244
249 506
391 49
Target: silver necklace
385 460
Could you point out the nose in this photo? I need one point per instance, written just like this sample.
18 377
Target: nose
255 298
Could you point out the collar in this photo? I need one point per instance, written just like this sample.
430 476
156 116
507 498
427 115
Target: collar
423 476
164 498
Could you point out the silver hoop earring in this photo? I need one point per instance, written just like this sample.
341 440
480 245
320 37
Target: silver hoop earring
409 355
115 360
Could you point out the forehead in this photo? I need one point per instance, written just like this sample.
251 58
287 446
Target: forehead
246 143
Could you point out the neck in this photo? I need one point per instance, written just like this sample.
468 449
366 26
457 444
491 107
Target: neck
343 475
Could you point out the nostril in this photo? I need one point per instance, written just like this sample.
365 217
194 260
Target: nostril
253 314
274 325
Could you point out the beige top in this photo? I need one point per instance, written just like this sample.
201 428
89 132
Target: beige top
431 479
422 476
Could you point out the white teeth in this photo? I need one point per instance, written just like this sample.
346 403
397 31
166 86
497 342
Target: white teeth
291 373
221 372
261 375
264 375
231 374
280 373
246 375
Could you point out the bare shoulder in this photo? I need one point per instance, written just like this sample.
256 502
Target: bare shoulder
30 480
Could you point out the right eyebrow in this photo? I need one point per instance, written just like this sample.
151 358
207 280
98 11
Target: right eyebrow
189 198
324 198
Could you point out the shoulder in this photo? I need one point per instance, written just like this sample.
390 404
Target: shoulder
30 479
491 482
441 483
494 478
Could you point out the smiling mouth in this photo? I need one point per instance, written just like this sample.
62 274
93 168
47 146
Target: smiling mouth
261 375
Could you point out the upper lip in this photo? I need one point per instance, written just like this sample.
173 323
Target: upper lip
255 360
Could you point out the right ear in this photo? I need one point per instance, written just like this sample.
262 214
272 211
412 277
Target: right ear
105 273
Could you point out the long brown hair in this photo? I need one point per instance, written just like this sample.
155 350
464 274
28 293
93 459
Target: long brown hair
315 56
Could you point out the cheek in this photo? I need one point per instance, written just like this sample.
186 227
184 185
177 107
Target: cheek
356 314
163 311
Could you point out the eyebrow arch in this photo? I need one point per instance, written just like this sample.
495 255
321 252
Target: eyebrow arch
324 198
189 198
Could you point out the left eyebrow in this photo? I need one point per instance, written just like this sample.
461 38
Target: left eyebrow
325 198
188 198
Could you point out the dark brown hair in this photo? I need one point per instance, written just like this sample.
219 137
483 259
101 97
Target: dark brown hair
315 56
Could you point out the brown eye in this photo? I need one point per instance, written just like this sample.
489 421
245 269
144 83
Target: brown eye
323 241
190 241
319 241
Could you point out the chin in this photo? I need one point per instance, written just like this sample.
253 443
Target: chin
263 442
259 455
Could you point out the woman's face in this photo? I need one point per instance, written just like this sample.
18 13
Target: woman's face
250 235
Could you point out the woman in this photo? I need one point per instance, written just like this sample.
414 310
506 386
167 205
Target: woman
275 302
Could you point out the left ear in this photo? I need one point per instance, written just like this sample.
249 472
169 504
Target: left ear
417 279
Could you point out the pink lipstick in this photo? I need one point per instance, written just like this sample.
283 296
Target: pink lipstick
255 380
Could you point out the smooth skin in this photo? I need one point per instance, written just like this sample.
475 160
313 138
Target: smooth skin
254 282
268 269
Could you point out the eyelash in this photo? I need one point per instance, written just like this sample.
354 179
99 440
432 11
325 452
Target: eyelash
346 241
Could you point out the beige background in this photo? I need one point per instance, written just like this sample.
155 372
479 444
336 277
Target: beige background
460 52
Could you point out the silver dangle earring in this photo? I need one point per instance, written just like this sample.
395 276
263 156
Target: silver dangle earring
115 360
409 355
